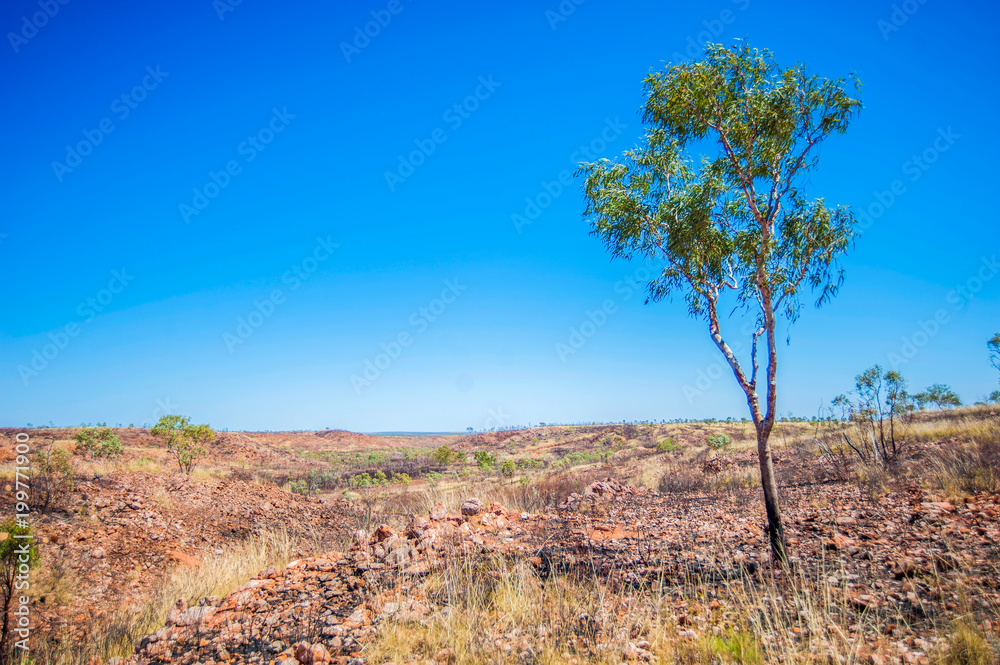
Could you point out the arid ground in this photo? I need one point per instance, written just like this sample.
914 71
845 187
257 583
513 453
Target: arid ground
556 544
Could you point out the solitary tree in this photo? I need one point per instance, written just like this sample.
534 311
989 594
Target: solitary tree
186 442
881 403
734 228
99 443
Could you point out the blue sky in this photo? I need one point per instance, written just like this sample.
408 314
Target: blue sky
233 249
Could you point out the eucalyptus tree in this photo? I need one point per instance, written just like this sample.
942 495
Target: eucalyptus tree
715 191
993 344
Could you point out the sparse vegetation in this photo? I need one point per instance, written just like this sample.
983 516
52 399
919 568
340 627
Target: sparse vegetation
939 396
99 443
186 442
54 476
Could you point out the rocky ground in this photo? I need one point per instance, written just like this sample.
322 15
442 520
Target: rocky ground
883 568
899 566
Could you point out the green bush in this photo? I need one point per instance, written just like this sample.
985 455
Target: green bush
184 440
445 455
485 461
719 441
402 478
508 468
99 443
298 487
667 446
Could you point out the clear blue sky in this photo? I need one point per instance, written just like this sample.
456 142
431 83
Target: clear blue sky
309 128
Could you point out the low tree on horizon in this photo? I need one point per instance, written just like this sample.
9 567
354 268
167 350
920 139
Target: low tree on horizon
881 403
938 395
734 228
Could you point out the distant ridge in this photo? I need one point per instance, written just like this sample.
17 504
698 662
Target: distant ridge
412 433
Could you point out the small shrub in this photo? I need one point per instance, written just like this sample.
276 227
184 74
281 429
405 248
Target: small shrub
445 455
402 478
99 443
298 487
54 476
485 461
720 441
508 468
668 445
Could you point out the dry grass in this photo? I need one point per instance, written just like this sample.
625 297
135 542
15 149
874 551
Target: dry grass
119 632
502 611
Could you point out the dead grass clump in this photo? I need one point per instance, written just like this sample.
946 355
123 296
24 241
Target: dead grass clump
683 478
968 646
966 469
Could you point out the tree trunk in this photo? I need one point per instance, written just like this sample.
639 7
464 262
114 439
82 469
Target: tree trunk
775 527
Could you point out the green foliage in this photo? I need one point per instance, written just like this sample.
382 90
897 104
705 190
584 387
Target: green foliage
54 476
880 408
938 395
529 463
361 480
365 479
993 344
298 487
994 397
433 477
184 440
720 441
402 479
445 455
99 443
485 461
736 221
738 647
668 445
508 468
